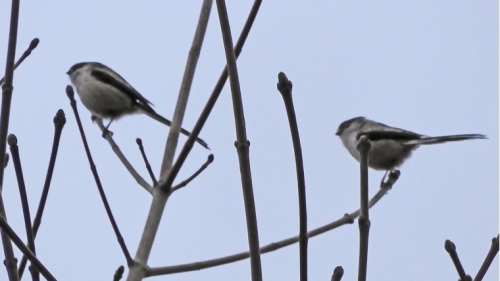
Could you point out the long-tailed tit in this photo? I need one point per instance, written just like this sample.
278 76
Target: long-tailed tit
108 96
390 146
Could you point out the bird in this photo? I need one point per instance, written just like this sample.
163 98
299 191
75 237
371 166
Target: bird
390 147
107 95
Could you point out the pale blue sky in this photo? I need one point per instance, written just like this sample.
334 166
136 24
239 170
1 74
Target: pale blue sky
426 66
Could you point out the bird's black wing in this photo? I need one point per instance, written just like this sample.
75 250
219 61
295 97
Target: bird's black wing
122 85
392 135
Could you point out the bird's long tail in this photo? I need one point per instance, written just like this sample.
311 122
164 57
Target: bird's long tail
167 122
443 139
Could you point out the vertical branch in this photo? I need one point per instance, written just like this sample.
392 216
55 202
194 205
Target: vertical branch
14 149
285 88
71 95
162 192
10 261
211 102
242 143
59 121
214 96
364 219
184 91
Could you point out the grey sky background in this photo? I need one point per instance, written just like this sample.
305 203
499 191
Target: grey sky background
426 66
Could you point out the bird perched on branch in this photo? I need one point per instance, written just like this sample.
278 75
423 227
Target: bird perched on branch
108 96
390 146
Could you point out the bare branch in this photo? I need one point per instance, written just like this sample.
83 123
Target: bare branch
187 81
285 88
71 95
20 245
59 121
146 161
163 190
122 157
209 161
346 219
452 250
14 150
10 260
364 219
242 144
488 260
214 96
26 53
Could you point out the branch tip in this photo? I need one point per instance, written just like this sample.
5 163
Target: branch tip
12 140
338 272
284 85
70 93
120 270
450 246
33 44
60 118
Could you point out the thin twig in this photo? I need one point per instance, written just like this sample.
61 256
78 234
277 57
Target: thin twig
7 87
242 144
162 192
14 150
209 161
121 241
26 53
59 121
122 158
146 161
364 219
488 260
20 245
346 219
285 88
452 250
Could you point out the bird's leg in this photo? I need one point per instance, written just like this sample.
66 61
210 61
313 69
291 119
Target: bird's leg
382 182
106 131
109 124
